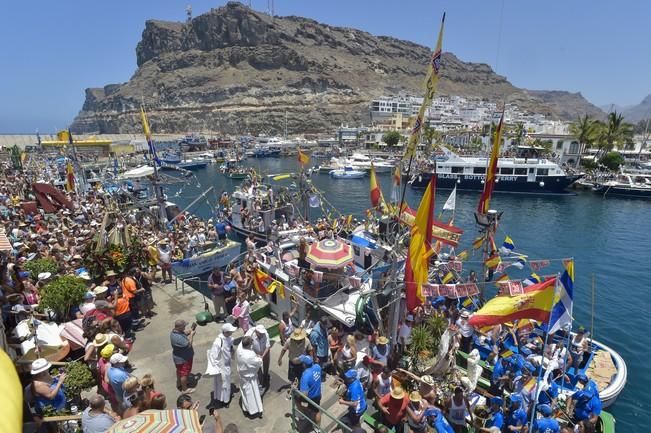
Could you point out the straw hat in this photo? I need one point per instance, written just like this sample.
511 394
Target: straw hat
415 397
398 393
99 290
298 334
40 365
382 340
111 273
100 340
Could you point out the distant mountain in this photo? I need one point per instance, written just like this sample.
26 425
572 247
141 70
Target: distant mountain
607 108
237 70
638 112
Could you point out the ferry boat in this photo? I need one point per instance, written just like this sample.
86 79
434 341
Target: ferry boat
515 175
193 142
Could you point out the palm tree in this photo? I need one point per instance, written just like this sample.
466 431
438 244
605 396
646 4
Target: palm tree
585 130
518 133
615 132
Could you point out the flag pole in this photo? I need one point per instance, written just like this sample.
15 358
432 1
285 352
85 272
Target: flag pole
537 389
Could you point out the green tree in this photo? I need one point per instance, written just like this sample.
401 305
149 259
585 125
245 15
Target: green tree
391 138
612 161
585 129
519 133
62 293
615 132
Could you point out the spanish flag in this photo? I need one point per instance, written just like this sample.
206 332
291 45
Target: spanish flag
261 281
493 261
303 158
463 255
376 193
477 243
447 278
420 248
501 279
536 303
491 172
431 85
70 177
445 233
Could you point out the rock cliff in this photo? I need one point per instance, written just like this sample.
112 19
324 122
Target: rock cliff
239 71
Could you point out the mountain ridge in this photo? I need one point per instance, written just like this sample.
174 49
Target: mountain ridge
239 71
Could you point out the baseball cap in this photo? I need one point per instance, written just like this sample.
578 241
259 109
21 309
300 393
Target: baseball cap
307 360
118 358
227 327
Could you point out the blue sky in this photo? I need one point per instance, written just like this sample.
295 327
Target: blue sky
53 50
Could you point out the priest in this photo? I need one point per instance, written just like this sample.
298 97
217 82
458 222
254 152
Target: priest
248 365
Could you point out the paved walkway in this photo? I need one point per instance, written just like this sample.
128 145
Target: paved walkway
152 353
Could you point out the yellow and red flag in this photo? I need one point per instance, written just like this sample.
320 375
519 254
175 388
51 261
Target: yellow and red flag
376 193
493 261
445 233
303 158
535 303
491 172
277 286
70 177
420 248
430 90
261 281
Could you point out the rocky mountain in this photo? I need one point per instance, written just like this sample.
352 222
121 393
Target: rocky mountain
236 70
638 112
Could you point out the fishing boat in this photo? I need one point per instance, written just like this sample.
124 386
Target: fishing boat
207 258
170 158
347 173
192 142
254 209
626 184
514 175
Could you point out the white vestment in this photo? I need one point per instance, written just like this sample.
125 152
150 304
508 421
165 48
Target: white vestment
248 364
219 366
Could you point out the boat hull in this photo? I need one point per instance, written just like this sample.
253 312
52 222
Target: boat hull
510 184
618 191
244 233
206 262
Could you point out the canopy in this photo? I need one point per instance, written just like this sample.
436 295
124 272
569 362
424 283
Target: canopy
138 172
159 421
329 253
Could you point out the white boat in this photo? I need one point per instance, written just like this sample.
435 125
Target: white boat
361 162
347 173
205 261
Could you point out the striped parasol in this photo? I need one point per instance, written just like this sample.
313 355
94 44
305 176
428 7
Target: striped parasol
5 245
329 253
159 421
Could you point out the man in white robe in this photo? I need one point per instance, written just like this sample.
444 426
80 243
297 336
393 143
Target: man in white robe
248 364
219 364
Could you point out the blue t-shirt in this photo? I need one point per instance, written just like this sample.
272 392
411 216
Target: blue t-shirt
116 377
498 371
220 228
546 396
311 382
496 420
355 392
319 340
546 425
516 418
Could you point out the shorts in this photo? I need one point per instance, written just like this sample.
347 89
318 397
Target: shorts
184 370
166 266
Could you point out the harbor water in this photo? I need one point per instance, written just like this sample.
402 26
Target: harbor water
608 238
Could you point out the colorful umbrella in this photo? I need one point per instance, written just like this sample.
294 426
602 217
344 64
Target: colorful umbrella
159 421
329 253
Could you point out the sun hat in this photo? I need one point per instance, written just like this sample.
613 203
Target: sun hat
99 290
118 358
111 273
415 396
382 340
40 365
227 327
260 328
88 296
427 380
107 351
298 334
307 360
100 340
545 409
398 393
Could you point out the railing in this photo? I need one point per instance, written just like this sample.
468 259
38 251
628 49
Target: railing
303 422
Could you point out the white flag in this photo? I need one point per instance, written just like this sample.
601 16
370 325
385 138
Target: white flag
451 202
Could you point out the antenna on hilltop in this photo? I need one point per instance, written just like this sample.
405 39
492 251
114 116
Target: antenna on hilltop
270 7
188 13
